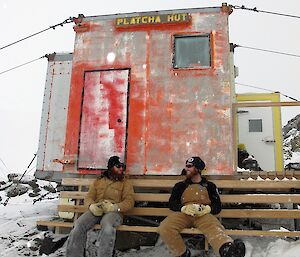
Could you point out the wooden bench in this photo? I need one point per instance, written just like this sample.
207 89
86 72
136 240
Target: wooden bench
238 197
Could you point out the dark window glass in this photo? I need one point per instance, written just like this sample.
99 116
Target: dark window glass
255 125
192 51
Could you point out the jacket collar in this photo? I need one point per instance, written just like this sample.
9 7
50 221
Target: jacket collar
203 181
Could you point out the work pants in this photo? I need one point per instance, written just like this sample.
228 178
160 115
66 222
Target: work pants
106 238
209 225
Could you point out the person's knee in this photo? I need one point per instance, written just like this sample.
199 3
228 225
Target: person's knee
164 230
79 227
107 229
76 233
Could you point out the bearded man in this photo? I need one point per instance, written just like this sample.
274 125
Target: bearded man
194 202
108 197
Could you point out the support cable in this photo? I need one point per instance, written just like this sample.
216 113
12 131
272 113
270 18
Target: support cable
292 98
266 50
4 164
28 167
23 64
2 171
262 11
69 20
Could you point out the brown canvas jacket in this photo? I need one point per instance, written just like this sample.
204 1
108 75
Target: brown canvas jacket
119 192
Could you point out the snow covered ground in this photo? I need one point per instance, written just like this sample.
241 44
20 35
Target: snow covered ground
18 231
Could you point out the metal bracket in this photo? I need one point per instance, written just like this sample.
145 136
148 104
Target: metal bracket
64 162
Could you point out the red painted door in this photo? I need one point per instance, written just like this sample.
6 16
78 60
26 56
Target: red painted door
103 118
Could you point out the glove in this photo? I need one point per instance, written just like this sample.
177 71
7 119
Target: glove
96 209
202 210
108 206
196 210
189 209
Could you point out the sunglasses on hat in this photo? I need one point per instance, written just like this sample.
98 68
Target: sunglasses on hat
189 165
120 165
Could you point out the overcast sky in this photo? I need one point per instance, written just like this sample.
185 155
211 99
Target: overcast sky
22 89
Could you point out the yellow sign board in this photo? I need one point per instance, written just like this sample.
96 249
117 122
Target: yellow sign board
153 19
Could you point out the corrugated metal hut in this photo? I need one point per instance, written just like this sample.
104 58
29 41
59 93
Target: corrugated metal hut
154 88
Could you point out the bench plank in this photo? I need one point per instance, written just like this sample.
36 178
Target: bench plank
261 198
225 213
236 198
185 231
228 184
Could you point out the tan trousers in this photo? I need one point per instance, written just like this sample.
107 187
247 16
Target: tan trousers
210 226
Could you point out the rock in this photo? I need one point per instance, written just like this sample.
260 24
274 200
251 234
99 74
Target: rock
295 144
34 244
49 188
50 244
293 123
291 142
16 178
16 190
33 184
36 190
34 194
5 186
12 176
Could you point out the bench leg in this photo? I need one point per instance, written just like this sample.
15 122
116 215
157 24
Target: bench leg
205 244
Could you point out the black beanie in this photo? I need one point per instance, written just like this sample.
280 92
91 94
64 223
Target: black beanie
113 160
197 162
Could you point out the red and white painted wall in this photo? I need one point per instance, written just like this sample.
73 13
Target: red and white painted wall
154 88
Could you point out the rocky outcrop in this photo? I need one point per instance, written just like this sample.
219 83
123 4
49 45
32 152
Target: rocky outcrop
291 140
293 123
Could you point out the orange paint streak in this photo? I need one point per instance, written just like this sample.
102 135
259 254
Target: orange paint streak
86 26
87 171
136 123
135 133
73 120
194 72
146 137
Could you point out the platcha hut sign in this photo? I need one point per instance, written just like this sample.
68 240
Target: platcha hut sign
153 19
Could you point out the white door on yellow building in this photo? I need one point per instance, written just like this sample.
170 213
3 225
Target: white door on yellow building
256 132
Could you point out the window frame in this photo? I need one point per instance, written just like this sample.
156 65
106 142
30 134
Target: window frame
255 120
194 34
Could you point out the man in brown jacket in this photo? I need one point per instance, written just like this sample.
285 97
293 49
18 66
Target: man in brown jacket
194 202
108 197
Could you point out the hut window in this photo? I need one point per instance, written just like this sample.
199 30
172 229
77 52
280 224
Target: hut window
255 125
192 51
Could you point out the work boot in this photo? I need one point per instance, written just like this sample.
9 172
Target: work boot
187 253
233 249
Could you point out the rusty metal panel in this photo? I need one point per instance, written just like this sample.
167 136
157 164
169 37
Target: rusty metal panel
104 118
174 113
54 114
93 56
